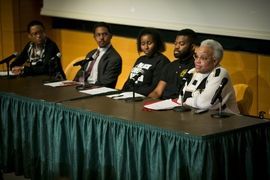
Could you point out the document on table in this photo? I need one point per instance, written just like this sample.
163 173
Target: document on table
124 95
4 73
162 105
62 83
99 90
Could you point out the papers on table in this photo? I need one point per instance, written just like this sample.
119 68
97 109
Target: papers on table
93 91
99 90
62 83
4 73
124 95
162 105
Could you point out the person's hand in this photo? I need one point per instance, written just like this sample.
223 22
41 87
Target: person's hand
17 70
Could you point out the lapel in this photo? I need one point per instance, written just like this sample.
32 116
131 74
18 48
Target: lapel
104 59
106 54
90 55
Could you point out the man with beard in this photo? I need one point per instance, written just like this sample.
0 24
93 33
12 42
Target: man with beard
173 73
105 63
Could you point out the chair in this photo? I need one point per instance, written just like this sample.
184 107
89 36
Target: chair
244 97
71 70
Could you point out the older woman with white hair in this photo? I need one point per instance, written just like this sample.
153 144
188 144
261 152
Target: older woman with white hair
206 78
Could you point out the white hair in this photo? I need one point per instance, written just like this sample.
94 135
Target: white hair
216 46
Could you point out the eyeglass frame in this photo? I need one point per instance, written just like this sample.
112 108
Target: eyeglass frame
41 32
201 58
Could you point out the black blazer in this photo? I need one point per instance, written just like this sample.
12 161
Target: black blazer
109 68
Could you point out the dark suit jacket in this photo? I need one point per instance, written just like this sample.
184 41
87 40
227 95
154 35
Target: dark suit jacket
109 68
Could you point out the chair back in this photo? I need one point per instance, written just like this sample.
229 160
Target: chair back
244 97
71 70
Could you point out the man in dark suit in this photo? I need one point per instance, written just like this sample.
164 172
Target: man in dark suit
105 63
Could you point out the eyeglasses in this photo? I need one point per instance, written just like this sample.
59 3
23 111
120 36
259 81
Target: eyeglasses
37 33
200 58
101 34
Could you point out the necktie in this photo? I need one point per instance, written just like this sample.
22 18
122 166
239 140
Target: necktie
90 67
88 71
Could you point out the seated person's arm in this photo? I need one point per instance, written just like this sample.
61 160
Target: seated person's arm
158 90
17 65
203 100
17 70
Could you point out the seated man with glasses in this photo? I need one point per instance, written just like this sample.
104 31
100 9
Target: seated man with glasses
105 63
39 53
206 78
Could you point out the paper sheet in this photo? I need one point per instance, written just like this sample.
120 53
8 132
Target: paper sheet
124 95
99 90
62 83
162 105
4 73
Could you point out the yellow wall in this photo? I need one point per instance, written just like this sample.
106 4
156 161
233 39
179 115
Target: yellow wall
264 84
243 69
8 28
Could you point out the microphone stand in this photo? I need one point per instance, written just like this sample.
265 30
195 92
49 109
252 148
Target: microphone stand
8 76
84 85
133 98
181 108
50 75
220 114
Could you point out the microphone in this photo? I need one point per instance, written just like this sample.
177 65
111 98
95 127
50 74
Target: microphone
58 55
181 87
131 82
184 80
136 77
82 62
6 60
52 66
219 90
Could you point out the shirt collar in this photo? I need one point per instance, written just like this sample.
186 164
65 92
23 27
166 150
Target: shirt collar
104 49
42 46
